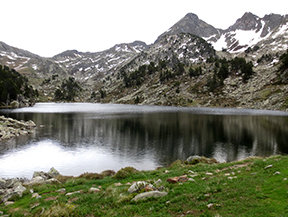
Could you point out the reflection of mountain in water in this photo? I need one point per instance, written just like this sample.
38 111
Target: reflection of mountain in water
168 136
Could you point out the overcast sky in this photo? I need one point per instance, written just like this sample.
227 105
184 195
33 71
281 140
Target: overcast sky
49 27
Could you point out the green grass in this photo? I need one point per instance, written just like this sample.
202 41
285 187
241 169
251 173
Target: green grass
253 191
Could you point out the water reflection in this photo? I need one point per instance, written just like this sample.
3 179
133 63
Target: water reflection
94 141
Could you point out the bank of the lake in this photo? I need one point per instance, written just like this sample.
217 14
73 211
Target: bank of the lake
251 187
10 128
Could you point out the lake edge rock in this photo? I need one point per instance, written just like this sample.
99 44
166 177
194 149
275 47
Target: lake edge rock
10 128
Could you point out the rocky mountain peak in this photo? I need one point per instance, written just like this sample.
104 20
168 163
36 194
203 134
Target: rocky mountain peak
67 53
20 52
193 25
248 21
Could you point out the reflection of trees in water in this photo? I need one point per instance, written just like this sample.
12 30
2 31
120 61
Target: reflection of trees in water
169 136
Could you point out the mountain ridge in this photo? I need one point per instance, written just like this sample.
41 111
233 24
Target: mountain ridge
130 71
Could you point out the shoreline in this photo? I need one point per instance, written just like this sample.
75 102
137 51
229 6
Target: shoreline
10 128
198 185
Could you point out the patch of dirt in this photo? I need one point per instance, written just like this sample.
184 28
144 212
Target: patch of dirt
51 198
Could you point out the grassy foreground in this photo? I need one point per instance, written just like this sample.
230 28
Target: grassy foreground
252 187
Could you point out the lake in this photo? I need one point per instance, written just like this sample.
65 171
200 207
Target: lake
83 137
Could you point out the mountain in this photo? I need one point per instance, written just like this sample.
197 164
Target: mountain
191 64
193 25
182 47
248 31
251 30
87 65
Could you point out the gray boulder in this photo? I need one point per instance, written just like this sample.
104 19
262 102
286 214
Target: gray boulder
35 180
2 183
53 172
19 190
138 186
194 157
145 195
42 174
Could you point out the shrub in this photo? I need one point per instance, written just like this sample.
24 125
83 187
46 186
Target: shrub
91 176
108 173
125 172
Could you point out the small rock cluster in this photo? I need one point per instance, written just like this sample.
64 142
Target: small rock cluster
16 186
10 128
149 190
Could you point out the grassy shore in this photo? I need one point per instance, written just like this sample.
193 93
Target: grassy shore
252 187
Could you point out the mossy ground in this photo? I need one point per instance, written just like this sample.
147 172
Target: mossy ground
243 188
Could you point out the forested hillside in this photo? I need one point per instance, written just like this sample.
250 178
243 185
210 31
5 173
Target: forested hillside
15 87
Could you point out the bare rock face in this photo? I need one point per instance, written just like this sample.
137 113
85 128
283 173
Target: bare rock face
193 25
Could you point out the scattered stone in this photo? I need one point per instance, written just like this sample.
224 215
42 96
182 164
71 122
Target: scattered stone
253 173
71 193
210 205
277 173
36 195
178 179
167 171
117 184
61 190
158 181
190 171
209 174
191 180
227 174
235 177
34 205
145 195
285 179
138 186
267 167
1 213
94 190
194 175
7 203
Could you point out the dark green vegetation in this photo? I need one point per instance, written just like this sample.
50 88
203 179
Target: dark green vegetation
244 188
168 70
14 86
283 68
68 90
223 68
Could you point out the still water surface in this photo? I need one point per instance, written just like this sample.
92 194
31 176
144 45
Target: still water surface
81 137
